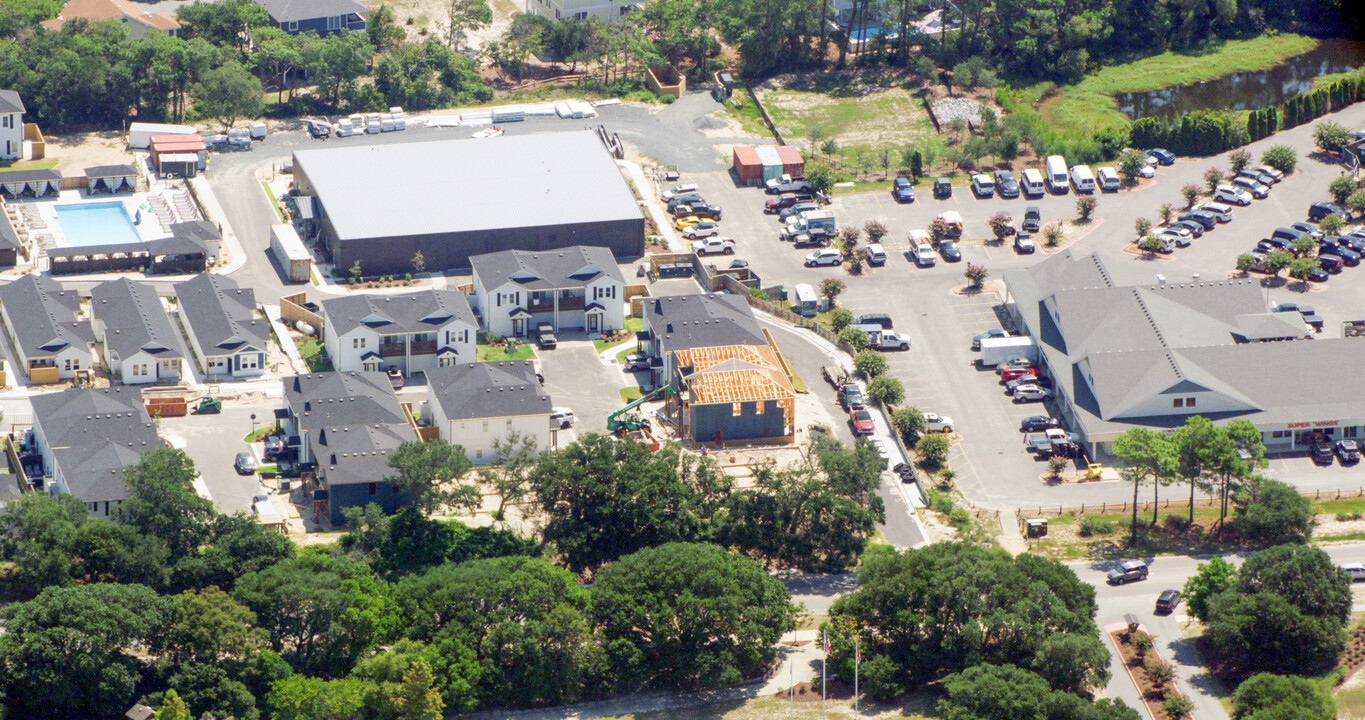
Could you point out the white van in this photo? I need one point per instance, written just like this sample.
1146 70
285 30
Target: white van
1056 174
1108 179
1032 182
876 255
1083 179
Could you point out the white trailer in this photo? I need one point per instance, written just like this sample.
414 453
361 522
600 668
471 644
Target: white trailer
292 256
997 350
140 133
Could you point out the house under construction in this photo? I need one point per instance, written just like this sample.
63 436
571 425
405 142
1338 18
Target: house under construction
732 393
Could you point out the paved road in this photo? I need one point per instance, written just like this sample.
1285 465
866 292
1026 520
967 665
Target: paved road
1139 598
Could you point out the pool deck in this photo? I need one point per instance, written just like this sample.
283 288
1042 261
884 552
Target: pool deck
151 228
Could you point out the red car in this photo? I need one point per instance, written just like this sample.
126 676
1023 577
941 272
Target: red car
861 421
1017 372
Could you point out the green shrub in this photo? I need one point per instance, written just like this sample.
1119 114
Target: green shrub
960 518
1091 526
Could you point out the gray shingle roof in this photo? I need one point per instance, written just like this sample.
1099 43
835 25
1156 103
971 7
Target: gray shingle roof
94 434
286 10
571 267
221 315
424 311
201 231
448 186
43 316
105 171
353 421
134 320
488 390
10 102
1123 352
681 322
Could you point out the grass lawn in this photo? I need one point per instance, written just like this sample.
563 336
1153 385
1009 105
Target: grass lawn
633 325
314 354
1089 105
44 164
1069 545
259 433
487 353
630 394
1351 704
862 116
273 203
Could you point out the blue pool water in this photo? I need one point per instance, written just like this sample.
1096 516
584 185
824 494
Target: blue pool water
866 33
104 223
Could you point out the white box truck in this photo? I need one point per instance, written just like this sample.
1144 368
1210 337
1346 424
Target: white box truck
1056 174
998 350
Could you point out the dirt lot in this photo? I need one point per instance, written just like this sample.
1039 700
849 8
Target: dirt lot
423 18
855 107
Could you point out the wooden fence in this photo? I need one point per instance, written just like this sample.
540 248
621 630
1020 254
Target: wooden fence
1183 503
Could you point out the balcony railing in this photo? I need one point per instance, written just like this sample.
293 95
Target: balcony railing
391 350
423 347
572 302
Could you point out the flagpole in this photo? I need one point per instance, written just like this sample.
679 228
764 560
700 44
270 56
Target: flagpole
857 659
824 684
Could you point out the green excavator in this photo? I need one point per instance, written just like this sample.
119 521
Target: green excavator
623 420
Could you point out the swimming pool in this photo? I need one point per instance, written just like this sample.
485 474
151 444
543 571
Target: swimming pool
105 223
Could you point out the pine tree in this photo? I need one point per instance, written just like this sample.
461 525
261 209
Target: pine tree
417 699
172 708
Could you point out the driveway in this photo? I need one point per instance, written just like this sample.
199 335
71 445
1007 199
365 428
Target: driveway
212 442
577 379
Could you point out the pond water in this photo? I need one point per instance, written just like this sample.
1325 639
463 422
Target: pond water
1248 90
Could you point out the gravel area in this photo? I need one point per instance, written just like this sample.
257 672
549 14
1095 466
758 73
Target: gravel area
952 108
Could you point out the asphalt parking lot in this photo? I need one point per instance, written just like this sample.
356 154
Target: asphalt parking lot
939 372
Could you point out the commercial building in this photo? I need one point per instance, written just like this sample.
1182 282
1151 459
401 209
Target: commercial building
414 332
348 424
86 437
577 288
474 405
450 200
1128 349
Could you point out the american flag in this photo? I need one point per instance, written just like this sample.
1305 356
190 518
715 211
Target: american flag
826 637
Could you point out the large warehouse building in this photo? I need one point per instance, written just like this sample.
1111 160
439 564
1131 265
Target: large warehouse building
453 199
1127 349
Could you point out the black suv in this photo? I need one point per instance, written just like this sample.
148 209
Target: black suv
875 319
1033 218
1322 453
943 188
1318 211
710 212
1167 601
1206 219
1005 184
